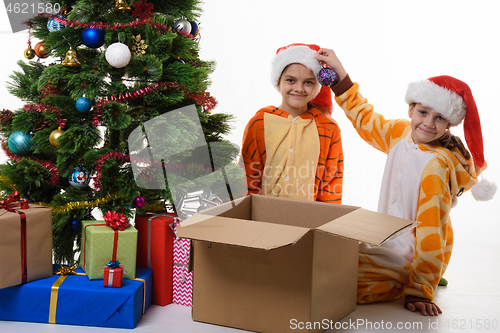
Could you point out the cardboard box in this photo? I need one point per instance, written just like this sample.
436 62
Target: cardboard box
97 247
79 301
155 244
38 245
262 263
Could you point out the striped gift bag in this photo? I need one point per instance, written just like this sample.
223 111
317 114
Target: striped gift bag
183 280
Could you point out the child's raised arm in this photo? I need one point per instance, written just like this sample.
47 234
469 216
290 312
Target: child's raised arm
372 127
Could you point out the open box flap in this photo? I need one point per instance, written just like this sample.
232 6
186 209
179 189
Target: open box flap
367 226
253 234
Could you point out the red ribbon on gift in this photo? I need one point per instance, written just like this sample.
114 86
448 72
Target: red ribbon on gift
8 204
115 220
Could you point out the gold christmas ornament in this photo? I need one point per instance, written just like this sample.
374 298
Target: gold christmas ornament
121 5
54 135
71 60
139 47
29 53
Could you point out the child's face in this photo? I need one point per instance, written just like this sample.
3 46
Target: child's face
427 126
298 86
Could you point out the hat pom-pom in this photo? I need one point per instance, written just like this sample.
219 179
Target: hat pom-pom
484 190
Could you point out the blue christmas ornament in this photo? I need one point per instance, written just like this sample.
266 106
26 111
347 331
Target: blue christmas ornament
75 224
20 142
93 37
327 76
194 28
83 104
53 25
79 177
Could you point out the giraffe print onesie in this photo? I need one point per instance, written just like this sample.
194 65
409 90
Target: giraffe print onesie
420 183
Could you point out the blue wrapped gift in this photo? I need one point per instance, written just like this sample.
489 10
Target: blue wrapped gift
78 301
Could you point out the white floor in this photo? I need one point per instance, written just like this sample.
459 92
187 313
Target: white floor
470 303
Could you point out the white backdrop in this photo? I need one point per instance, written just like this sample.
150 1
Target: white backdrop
384 45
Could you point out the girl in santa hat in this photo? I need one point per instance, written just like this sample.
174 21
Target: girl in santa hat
427 169
294 150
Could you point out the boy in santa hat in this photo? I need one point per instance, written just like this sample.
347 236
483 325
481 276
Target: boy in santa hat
294 150
427 169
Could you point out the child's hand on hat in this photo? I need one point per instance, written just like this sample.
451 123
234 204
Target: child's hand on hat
328 57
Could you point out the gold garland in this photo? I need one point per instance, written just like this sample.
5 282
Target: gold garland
157 207
80 204
9 184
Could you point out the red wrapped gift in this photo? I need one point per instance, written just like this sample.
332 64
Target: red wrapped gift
155 250
113 275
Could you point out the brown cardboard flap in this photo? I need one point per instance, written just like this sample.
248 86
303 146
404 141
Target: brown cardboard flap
239 232
367 226
300 213
238 208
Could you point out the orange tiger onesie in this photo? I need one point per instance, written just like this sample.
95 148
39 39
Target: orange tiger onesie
290 157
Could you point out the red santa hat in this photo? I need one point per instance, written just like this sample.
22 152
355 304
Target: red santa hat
453 99
301 54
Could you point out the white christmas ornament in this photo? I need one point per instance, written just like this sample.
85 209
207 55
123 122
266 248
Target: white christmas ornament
118 55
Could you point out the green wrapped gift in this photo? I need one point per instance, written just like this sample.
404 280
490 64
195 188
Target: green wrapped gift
101 244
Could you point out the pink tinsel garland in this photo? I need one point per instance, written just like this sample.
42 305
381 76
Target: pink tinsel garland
100 162
104 25
46 108
200 98
204 98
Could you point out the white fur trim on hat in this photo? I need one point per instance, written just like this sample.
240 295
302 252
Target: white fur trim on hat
299 54
441 100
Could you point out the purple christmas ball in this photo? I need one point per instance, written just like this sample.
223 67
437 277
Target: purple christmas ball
327 76
139 201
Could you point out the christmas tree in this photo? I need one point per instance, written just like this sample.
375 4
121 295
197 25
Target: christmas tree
118 119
